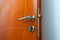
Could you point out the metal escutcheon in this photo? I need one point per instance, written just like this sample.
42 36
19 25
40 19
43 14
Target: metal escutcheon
32 18
32 28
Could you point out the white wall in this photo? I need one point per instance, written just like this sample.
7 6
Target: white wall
51 19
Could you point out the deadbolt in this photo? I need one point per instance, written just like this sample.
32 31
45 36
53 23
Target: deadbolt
32 29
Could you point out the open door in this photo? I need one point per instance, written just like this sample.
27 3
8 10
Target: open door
18 20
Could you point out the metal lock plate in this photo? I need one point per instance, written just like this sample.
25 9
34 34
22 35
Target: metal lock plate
32 28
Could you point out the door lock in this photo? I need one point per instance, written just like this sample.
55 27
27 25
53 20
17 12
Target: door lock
32 28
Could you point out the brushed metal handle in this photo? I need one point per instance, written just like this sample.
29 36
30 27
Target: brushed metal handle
32 18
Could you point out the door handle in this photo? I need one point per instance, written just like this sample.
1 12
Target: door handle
32 18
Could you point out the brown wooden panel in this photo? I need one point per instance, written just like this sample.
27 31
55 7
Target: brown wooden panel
16 33
13 29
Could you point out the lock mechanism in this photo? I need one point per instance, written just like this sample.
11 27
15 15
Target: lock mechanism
32 28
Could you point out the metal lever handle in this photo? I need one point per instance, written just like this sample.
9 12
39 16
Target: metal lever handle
27 17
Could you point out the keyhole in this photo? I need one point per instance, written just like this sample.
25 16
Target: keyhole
31 28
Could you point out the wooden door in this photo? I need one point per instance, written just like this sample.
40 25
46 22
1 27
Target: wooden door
40 19
13 29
